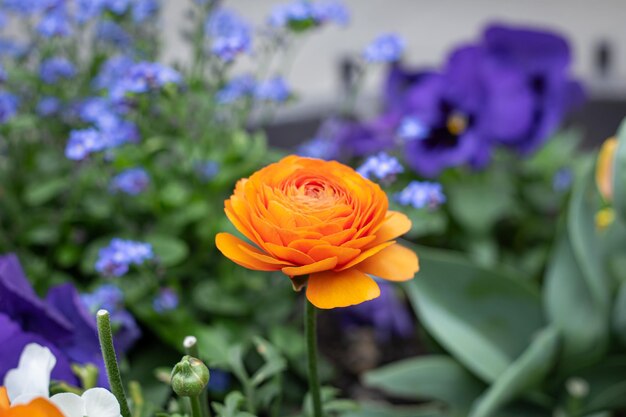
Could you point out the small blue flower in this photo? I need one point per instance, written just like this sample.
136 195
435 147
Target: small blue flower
412 128
236 89
26 7
115 259
48 106
381 166
55 23
144 10
562 180
54 69
112 33
230 34
275 89
116 6
332 11
295 13
385 48
133 181
144 77
208 169
421 194
12 48
106 296
87 10
112 70
8 106
319 147
167 300
84 142
3 75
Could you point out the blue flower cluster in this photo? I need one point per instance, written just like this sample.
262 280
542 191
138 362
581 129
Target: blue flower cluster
48 106
230 35
274 89
385 48
55 69
115 259
300 15
133 181
144 77
381 166
421 194
165 301
8 106
319 147
111 298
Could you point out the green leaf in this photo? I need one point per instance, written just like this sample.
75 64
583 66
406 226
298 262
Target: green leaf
376 410
619 315
526 373
571 308
438 378
44 191
483 317
607 385
169 250
619 174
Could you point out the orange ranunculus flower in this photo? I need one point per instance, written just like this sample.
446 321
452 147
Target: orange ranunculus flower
39 407
321 219
604 168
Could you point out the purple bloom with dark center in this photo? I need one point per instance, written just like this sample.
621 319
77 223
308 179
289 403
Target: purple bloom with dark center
275 89
60 323
111 298
114 260
421 194
8 106
385 48
387 315
165 301
48 106
236 89
381 166
55 69
84 142
230 34
133 181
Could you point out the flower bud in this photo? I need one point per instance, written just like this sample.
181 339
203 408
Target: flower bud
189 377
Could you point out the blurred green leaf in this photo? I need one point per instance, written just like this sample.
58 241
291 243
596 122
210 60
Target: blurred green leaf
210 297
483 317
175 194
169 250
526 373
619 315
619 174
571 308
375 410
438 378
607 385
44 190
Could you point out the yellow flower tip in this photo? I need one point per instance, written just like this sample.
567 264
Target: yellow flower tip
322 220
604 218
457 123
604 168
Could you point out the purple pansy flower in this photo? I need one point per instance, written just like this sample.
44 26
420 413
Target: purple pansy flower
60 323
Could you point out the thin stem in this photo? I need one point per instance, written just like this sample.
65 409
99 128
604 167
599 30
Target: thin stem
196 407
311 342
110 361
191 348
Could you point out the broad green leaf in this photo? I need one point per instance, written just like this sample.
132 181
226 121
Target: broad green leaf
169 250
526 373
619 174
44 191
619 315
571 308
376 410
585 239
483 317
607 385
438 378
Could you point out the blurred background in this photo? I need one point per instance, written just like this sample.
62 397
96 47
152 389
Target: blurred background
596 31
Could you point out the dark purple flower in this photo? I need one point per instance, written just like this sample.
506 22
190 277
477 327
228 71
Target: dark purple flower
387 315
59 323
365 138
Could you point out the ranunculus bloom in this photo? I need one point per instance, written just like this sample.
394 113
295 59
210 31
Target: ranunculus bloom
604 168
321 219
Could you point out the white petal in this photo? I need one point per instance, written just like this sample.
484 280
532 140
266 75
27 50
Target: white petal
32 375
24 399
100 403
71 405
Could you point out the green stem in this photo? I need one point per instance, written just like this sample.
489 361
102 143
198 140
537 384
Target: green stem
311 342
110 361
191 348
196 407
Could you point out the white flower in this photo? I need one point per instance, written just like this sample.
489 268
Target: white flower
95 402
31 378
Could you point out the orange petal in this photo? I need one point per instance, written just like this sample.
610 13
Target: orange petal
604 168
4 399
331 289
39 407
394 226
322 265
343 255
238 251
395 263
366 254
290 254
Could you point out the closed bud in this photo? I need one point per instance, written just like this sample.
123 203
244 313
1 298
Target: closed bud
189 377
